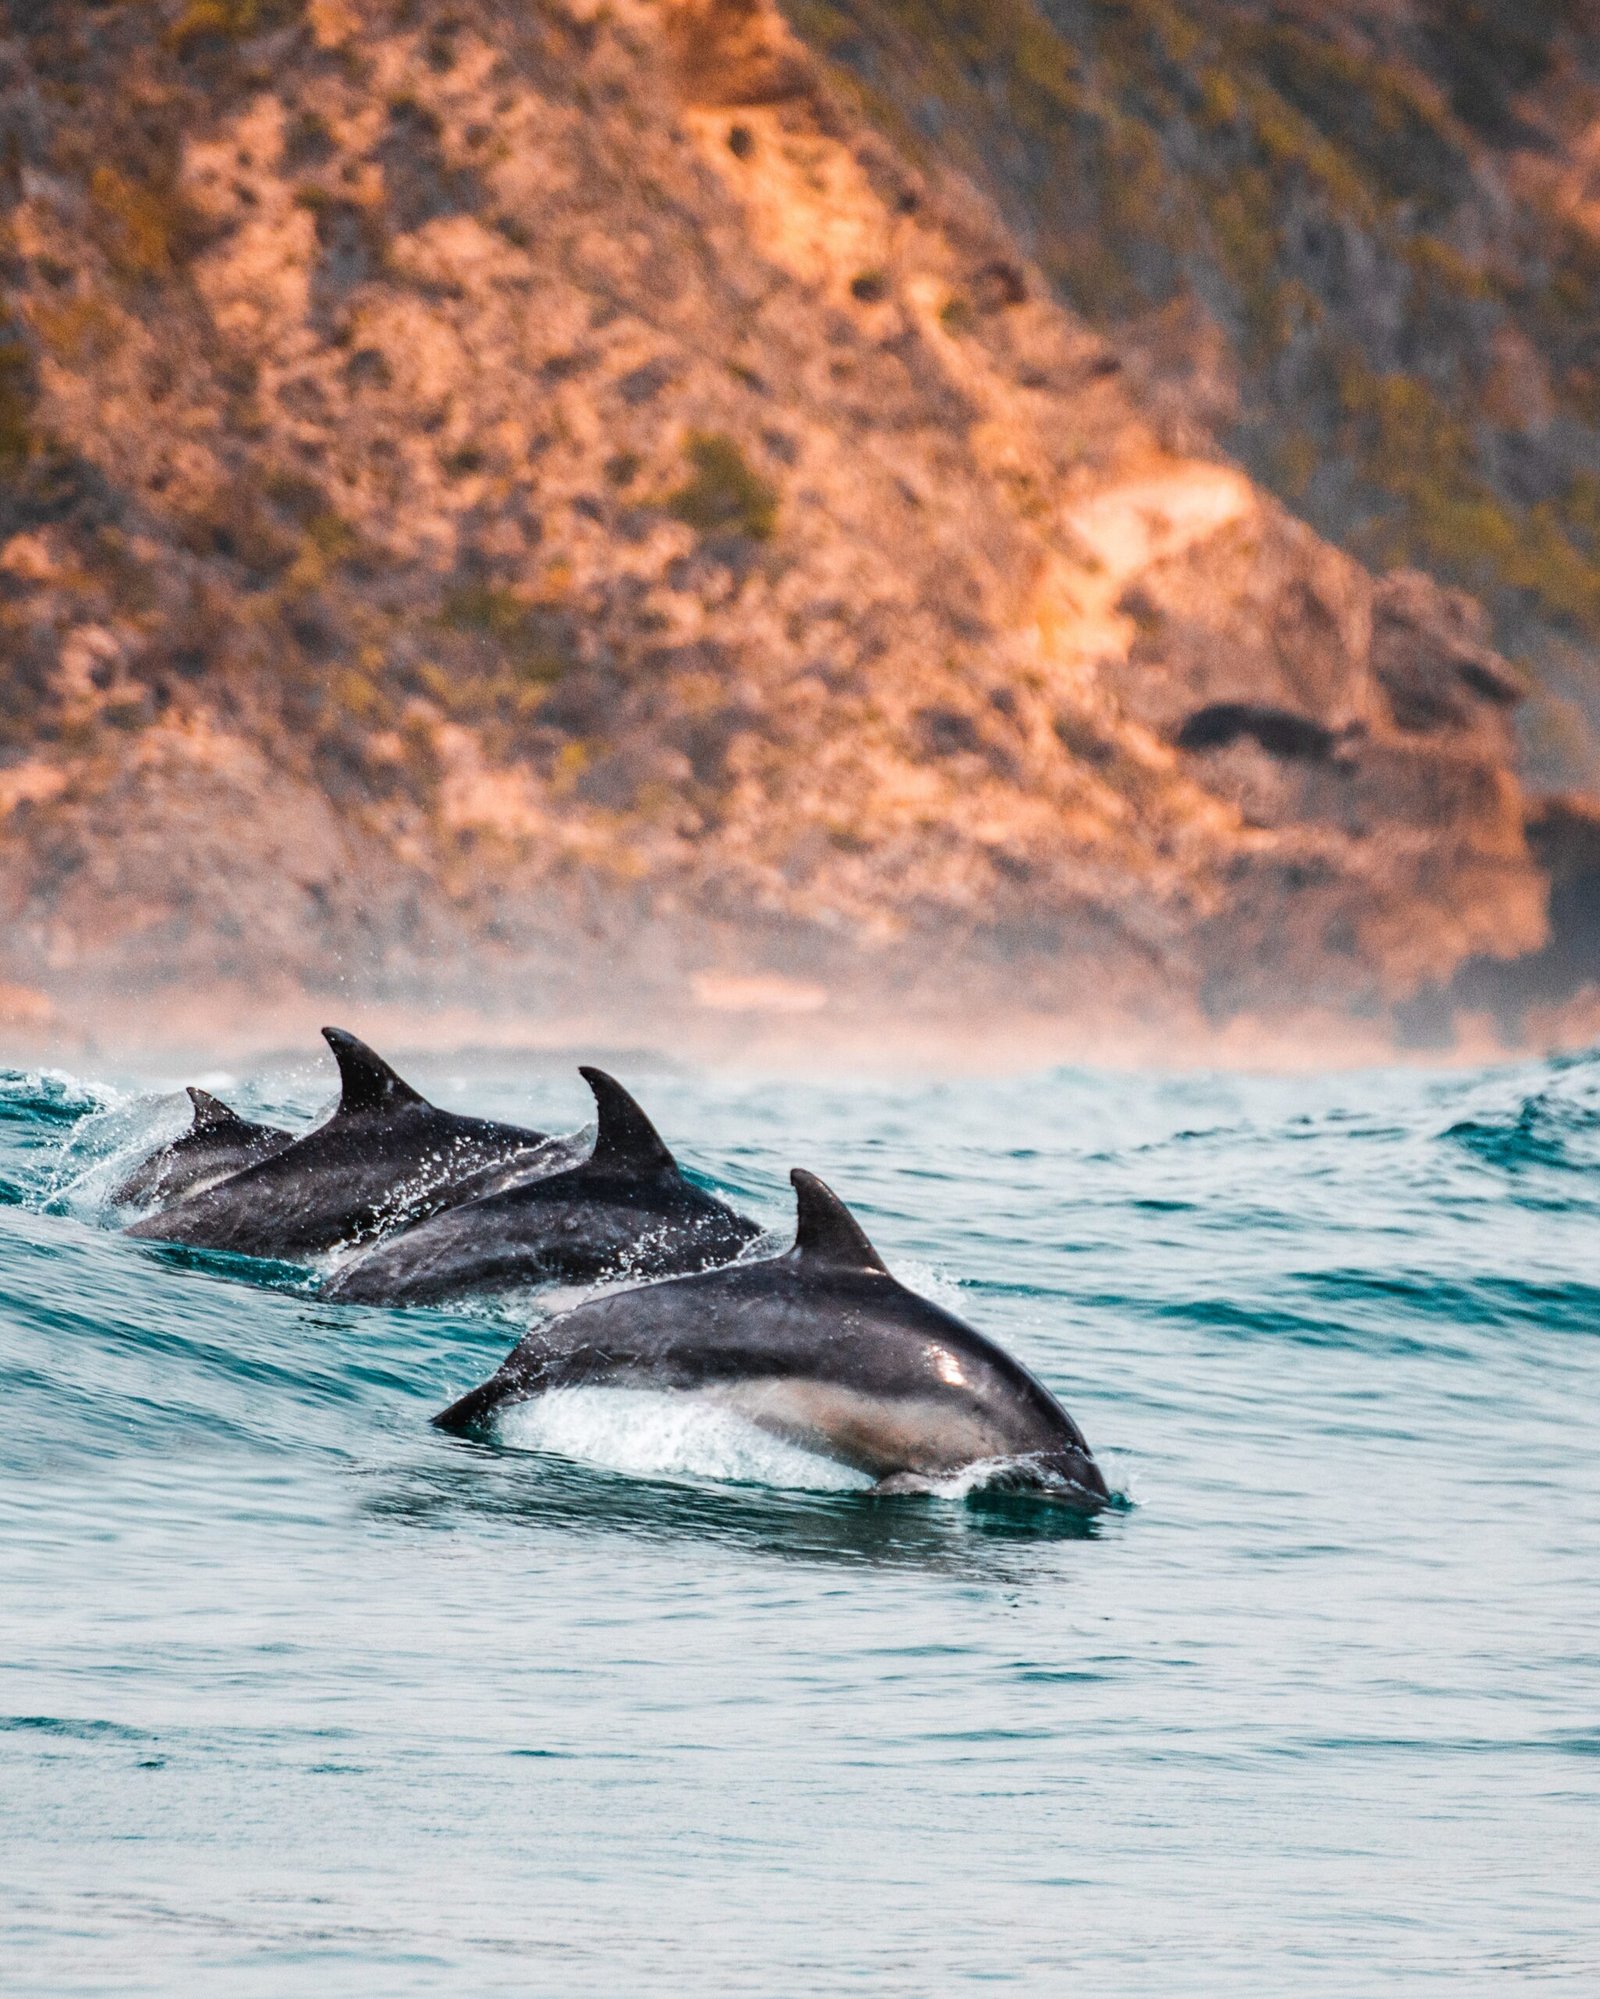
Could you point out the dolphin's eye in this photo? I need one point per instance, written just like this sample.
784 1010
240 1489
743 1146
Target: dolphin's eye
947 1367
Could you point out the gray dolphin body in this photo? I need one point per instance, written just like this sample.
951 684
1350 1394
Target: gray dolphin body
625 1207
823 1347
384 1157
217 1144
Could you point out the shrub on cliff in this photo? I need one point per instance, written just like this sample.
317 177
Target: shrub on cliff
725 496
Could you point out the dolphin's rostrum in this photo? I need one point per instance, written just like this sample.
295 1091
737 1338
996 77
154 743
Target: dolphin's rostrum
625 1207
821 1346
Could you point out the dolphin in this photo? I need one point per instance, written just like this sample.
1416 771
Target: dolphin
385 1156
218 1143
626 1206
821 1346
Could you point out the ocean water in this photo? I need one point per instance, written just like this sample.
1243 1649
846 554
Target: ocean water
301 1697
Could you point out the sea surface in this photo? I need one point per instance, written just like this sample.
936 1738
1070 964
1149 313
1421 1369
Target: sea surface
299 1696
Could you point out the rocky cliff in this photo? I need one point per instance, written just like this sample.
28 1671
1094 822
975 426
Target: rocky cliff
568 492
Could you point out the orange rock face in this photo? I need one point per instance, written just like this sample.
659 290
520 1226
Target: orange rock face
557 490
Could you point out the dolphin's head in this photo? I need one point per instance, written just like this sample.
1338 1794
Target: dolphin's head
1071 1476
1068 1478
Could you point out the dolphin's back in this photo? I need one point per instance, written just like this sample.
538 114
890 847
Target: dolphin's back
351 1176
217 1144
384 1156
626 1207
575 1226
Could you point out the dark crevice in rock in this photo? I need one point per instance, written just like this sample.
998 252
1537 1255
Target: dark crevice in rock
1279 731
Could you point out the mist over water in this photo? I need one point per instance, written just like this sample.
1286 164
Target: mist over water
303 1697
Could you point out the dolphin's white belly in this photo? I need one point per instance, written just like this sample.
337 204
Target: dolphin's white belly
880 1434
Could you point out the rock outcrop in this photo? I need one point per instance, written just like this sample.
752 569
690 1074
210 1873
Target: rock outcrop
560 488
1359 244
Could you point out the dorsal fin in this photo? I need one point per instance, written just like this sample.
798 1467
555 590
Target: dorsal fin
366 1082
826 1231
211 1114
625 1139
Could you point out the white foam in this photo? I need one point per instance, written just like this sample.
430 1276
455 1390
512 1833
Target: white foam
663 1435
104 1147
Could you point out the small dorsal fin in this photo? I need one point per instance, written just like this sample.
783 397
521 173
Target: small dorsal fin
624 1139
366 1082
212 1114
825 1229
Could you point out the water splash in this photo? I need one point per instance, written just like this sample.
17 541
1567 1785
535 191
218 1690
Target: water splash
655 1435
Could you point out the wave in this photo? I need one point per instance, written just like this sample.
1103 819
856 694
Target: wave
1555 1125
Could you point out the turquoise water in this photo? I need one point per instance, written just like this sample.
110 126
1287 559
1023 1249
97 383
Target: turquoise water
301 1697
